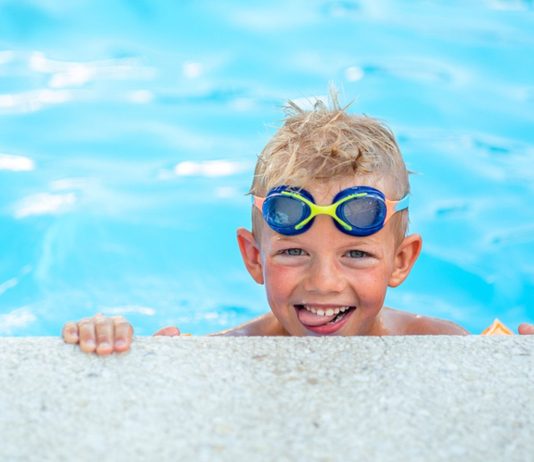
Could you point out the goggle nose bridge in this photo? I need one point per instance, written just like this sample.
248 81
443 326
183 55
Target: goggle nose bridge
329 210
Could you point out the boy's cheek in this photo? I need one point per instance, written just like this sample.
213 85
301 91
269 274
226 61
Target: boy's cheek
280 279
372 292
279 285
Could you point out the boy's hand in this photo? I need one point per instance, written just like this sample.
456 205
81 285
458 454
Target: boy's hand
168 331
99 334
526 329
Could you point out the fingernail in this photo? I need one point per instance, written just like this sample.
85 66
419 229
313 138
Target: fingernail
105 345
120 343
90 343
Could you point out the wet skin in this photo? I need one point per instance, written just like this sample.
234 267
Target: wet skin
321 268
100 334
325 268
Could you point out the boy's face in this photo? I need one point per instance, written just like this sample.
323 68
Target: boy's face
324 269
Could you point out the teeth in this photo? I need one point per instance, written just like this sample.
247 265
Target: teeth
328 312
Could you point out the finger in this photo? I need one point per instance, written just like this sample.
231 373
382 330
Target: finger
70 333
86 329
168 332
104 335
123 334
526 329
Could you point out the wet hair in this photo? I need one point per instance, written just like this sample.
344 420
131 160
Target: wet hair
327 143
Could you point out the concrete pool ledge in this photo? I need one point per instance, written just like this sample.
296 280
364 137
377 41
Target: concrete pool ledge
282 399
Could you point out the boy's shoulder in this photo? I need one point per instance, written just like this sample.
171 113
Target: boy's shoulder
265 325
398 322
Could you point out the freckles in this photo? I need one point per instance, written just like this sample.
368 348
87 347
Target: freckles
371 290
274 273
278 279
280 282
279 272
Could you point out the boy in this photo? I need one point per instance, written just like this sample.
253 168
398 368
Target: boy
325 267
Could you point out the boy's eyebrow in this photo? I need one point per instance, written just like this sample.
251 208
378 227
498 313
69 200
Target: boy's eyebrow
285 239
288 240
351 241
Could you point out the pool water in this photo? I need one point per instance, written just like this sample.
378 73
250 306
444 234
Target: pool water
129 132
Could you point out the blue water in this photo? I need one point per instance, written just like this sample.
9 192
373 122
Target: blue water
129 131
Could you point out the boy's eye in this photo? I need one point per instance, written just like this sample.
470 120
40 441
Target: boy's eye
357 254
292 252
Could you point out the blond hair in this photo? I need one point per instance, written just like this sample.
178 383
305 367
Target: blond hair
327 143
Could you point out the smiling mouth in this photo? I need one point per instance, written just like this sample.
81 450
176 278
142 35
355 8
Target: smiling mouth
324 320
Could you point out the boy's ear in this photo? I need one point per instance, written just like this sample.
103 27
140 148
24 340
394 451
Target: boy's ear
250 252
405 257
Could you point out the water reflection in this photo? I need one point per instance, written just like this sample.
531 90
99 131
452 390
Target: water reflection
127 152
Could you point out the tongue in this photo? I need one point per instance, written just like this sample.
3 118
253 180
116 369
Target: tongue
309 319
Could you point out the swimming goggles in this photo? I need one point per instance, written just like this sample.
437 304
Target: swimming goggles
358 211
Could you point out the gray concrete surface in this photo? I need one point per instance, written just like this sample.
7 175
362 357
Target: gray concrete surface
262 399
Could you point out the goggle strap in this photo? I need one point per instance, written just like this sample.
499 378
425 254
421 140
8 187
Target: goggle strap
403 203
396 206
258 202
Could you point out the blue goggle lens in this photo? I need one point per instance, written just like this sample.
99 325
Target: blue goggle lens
284 211
366 212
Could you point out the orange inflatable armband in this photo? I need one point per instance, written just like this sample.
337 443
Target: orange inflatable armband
497 328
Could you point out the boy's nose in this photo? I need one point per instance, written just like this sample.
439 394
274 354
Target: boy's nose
324 277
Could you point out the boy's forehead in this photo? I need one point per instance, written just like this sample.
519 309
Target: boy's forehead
325 190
